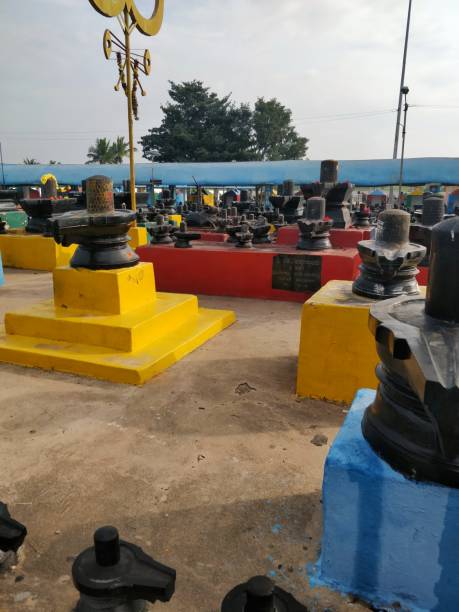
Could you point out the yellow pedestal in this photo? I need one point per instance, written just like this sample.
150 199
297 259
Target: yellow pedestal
176 218
337 351
33 252
110 325
138 236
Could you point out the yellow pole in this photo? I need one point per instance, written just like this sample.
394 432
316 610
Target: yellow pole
129 97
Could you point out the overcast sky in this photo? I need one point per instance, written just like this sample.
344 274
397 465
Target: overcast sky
325 59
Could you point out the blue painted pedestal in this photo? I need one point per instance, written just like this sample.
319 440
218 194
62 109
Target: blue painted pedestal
386 538
2 278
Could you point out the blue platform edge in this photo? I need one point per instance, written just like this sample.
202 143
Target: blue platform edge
386 539
2 278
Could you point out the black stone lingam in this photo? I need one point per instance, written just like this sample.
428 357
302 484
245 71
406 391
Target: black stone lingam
100 231
234 227
260 231
336 194
414 421
287 203
12 533
2 226
117 576
363 216
41 210
433 212
184 237
314 227
260 594
162 231
390 262
244 237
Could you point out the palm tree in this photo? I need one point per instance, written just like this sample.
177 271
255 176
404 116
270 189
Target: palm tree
120 150
102 152
31 161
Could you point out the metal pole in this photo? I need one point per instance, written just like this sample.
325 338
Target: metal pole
402 158
129 97
400 98
1 161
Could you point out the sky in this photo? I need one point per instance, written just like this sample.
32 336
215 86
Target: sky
335 63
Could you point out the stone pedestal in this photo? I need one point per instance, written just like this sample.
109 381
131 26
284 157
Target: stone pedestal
389 540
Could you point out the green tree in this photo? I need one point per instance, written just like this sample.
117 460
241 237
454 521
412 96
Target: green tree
274 135
31 161
199 126
120 150
102 152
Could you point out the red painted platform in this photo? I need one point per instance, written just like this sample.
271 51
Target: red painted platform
340 238
266 272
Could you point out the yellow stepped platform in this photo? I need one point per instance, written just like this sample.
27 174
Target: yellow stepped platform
337 351
110 325
33 251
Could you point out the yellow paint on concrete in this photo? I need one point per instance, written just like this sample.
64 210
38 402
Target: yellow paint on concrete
107 291
176 218
337 351
138 236
33 252
109 324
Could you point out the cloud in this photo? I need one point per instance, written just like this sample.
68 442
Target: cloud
325 59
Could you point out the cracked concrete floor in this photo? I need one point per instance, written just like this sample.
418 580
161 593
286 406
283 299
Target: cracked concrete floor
215 479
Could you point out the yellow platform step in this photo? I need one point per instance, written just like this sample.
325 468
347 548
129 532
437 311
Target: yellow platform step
33 252
133 368
109 324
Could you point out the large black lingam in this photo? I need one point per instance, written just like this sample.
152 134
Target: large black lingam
390 262
315 227
433 212
414 421
116 576
260 594
287 203
100 231
336 194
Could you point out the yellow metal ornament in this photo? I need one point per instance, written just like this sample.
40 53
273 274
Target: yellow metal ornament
149 26
130 64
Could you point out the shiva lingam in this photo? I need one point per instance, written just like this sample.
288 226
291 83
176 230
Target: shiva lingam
117 576
12 536
433 212
287 203
260 594
244 237
235 227
363 216
260 230
390 262
100 231
39 211
245 203
314 227
336 194
184 237
413 423
162 231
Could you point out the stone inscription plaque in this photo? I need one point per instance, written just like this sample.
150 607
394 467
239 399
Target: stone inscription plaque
301 273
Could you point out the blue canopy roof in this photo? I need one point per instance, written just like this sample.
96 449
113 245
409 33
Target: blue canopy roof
377 192
365 173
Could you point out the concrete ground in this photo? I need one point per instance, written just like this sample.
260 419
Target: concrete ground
209 467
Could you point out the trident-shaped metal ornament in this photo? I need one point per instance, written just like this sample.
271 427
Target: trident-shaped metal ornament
130 64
